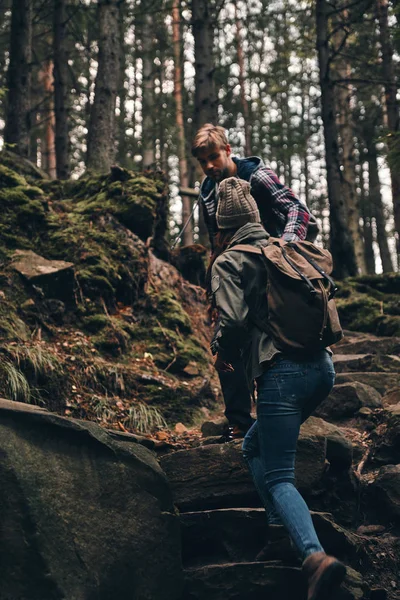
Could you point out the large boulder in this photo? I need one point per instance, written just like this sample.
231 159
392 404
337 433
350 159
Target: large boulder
346 399
83 516
387 437
387 489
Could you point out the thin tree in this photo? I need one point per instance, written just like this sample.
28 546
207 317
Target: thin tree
205 98
392 108
60 73
148 104
17 128
47 144
341 242
180 125
243 99
100 149
343 95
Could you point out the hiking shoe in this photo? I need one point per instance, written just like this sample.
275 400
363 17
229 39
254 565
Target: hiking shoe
324 575
233 432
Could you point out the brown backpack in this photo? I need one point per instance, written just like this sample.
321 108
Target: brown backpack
302 314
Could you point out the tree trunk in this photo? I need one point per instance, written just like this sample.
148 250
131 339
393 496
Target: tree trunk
187 237
392 108
101 152
341 242
368 233
343 94
60 73
377 206
205 97
121 120
48 150
17 127
243 100
148 143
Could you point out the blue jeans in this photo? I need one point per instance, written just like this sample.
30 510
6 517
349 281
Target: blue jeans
288 392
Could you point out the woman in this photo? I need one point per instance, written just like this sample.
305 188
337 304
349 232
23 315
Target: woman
288 388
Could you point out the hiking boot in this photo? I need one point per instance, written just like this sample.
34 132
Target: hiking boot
324 575
233 432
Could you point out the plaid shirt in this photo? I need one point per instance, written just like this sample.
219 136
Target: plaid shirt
282 213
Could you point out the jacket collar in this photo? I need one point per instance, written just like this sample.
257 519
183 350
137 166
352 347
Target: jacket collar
251 233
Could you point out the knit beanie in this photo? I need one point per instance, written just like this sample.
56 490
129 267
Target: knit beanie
236 206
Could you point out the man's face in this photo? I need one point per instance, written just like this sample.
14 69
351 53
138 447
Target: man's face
217 163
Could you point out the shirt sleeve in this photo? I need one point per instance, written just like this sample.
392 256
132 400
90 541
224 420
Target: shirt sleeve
284 201
228 296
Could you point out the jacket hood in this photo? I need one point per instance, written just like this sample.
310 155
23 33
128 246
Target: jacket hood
251 233
245 169
247 166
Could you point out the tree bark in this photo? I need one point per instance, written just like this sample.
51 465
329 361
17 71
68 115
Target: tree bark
368 232
121 121
148 144
187 237
17 127
205 97
47 147
101 151
243 99
392 108
341 242
343 93
60 73
377 209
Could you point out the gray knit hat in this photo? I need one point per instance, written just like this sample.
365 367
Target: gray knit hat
236 206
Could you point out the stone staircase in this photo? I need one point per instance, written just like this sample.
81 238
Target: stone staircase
223 527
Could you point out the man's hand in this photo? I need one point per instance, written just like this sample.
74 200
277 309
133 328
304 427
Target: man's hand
222 366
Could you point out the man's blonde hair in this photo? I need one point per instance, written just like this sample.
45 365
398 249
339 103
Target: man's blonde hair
209 136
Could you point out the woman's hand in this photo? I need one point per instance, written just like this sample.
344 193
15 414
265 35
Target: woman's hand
222 366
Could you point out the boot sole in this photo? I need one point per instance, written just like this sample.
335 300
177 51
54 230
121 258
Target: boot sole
329 581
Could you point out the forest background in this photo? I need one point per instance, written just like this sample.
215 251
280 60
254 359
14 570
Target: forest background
311 87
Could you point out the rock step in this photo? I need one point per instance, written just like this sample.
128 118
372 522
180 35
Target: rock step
367 344
216 476
237 535
259 581
345 363
381 381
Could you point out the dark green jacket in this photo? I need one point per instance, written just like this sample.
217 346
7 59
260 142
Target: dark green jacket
238 284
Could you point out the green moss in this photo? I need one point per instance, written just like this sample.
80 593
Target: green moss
94 323
132 202
171 350
166 307
12 327
112 340
362 308
10 179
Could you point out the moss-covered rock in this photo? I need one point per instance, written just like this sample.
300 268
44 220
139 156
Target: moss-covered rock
370 304
165 306
30 172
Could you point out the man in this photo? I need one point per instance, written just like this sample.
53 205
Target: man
282 214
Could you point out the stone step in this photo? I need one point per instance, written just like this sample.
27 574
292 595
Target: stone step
238 534
345 363
367 344
383 382
259 581
216 476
